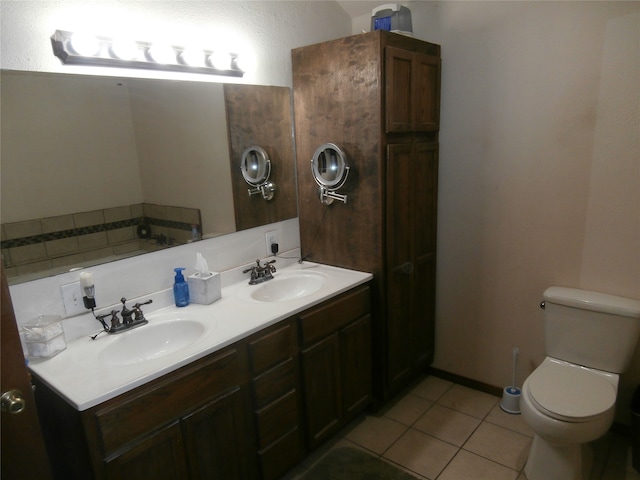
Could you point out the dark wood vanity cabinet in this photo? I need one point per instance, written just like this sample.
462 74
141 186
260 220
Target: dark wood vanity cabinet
251 410
276 398
377 96
190 424
336 363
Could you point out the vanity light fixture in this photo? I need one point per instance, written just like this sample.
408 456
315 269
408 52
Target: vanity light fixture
82 49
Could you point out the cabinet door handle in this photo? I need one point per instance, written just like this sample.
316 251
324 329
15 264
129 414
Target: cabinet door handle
406 268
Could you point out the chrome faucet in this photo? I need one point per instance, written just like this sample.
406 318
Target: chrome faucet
261 273
131 318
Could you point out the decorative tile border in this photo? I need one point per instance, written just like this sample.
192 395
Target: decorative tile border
161 224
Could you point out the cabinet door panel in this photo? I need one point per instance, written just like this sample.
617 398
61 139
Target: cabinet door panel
215 437
412 91
321 372
426 93
159 456
425 208
355 352
399 116
400 264
425 203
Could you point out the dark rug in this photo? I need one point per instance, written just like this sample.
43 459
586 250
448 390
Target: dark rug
347 463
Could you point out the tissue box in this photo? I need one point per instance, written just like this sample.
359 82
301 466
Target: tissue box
44 336
204 289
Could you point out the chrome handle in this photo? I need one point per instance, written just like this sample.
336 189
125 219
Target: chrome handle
12 402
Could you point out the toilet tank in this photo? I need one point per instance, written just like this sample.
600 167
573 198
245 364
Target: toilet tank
592 329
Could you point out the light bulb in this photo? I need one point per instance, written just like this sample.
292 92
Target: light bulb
162 54
220 60
193 57
85 44
124 49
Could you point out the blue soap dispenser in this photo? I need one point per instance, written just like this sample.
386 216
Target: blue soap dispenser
180 289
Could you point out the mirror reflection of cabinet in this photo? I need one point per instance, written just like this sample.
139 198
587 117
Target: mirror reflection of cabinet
261 116
379 98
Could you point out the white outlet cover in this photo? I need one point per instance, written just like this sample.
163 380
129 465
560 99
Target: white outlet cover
270 237
72 299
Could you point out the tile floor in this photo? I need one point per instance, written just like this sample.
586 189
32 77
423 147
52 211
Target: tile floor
444 431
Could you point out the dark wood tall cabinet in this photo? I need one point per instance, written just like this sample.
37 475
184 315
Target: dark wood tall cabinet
377 96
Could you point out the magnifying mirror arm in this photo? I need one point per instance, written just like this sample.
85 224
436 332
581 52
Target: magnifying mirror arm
266 189
328 196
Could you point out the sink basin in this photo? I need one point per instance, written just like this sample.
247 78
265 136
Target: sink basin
151 341
287 286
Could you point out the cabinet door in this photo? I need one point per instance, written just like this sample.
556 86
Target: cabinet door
216 440
400 264
412 91
425 207
323 398
159 456
355 355
411 233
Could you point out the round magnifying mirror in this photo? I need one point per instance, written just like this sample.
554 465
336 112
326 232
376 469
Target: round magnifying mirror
329 166
255 166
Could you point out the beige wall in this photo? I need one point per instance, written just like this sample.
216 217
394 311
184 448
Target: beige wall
540 170
47 168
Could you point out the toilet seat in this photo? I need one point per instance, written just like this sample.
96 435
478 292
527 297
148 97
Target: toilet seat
570 393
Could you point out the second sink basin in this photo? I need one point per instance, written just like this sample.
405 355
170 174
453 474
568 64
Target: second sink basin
151 341
285 287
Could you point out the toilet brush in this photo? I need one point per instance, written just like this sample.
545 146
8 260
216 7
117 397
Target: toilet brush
511 395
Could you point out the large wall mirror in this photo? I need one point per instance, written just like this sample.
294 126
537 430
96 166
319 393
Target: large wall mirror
100 168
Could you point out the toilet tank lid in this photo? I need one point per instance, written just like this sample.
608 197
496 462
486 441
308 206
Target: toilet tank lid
595 301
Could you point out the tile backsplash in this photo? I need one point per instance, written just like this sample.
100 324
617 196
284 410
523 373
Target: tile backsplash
62 242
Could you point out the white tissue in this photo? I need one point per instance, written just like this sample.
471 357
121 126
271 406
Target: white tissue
204 286
201 265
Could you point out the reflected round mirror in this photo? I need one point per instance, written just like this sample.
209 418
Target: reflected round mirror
329 166
255 166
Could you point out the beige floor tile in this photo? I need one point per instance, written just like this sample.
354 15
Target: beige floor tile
446 424
376 434
408 409
467 466
421 453
431 388
497 416
469 401
499 444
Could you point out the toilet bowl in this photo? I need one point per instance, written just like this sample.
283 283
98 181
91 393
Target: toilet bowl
566 405
569 400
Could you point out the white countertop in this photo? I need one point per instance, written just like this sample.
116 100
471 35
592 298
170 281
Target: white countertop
84 377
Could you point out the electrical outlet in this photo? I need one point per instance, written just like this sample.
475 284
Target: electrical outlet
270 237
72 298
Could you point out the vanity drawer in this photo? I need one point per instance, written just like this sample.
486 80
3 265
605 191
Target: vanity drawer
277 418
149 407
282 455
272 348
318 323
274 383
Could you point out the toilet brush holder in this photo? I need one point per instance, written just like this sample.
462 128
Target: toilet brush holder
511 400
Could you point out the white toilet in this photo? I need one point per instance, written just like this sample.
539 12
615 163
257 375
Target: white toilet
570 398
